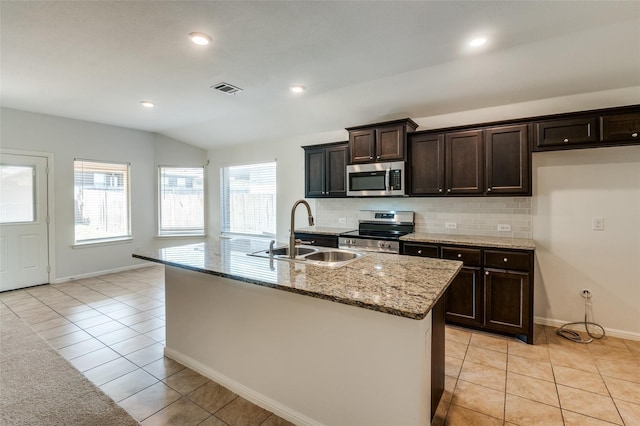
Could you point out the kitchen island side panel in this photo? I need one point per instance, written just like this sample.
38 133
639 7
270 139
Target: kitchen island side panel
310 361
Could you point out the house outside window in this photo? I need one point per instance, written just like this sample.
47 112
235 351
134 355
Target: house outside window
101 201
181 201
248 200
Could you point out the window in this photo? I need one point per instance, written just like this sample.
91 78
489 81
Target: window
249 199
101 201
17 198
181 201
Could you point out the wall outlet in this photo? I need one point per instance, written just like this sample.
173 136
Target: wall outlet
597 224
342 220
451 225
505 227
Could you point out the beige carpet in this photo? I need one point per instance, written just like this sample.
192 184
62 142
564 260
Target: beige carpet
39 387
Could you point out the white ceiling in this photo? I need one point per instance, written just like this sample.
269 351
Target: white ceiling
361 62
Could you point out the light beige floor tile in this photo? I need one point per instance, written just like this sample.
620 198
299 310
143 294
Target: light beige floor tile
163 368
575 419
69 339
61 330
537 369
147 354
532 352
633 346
212 396
482 375
94 359
479 398
213 421
487 357
105 328
489 342
110 370
240 412
623 390
619 369
573 359
461 416
521 411
52 323
455 349
185 381
133 344
148 325
159 334
440 415
135 318
123 313
580 380
117 336
182 412
93 321
452 366
82 314
588 403
127 385
614 353
81 348
149 401
630 412
534 389
457 335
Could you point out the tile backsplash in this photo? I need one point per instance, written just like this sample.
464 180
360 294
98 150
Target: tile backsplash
472 216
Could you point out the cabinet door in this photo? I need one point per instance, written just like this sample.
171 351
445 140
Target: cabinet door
507 160
427 164
465 298
419 249
575 131
336 169
508 304
390 143
620 127
464 162
362 145
314 173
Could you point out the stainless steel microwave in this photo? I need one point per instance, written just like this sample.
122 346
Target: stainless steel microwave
376 179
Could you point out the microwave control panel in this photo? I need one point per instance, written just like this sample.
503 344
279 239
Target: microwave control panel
395 179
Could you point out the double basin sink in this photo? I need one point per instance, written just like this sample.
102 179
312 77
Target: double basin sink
323 256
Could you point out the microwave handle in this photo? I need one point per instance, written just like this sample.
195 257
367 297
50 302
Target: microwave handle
387 184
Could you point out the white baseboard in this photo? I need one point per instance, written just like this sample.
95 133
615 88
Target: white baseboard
98 273
245 392
622 334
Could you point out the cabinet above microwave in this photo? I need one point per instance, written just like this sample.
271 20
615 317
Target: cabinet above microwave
379 142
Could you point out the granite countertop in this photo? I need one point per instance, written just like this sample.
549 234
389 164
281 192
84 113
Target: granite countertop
472 240
405 286
324 230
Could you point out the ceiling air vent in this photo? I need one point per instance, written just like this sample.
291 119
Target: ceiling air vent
227 88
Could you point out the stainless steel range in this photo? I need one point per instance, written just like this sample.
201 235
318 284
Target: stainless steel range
378 230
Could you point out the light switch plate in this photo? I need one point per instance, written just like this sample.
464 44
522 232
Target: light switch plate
342 220
451 225
504 227
597 223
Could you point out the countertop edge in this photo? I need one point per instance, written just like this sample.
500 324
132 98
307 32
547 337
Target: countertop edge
472 240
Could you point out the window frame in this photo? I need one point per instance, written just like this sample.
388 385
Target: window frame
225 207
182 232
105 240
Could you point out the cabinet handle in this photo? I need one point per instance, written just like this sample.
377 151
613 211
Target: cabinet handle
378 157
459 255
486 272
488 189
634 134
419 251
449 190
505 259
439 189
565 140
370 158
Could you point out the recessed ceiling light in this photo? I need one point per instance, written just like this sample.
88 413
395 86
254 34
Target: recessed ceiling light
147 104
297 88
478 41
200 39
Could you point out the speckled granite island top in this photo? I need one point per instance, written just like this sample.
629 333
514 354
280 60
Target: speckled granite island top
405 286
472 240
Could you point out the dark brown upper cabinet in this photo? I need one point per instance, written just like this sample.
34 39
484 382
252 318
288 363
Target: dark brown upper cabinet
325 170
464 165
620 127
507 160
426 160
380 142
568 132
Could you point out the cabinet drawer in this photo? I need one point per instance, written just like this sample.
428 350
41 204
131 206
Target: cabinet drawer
566 132
506 260
420 250
620 127
469 256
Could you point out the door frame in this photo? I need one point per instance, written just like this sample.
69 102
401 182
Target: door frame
51 272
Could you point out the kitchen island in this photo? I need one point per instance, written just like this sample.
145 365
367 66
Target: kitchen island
315 345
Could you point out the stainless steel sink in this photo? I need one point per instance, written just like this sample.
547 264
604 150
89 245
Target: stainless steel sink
322 256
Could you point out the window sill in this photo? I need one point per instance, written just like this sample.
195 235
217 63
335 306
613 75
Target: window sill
181 236
98 243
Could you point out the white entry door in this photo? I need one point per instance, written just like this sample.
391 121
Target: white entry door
24 245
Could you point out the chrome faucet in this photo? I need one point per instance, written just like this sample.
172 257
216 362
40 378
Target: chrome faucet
292 238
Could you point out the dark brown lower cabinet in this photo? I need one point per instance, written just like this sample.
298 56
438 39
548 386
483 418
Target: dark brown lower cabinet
492 292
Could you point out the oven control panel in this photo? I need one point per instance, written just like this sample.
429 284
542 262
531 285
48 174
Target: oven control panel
369 245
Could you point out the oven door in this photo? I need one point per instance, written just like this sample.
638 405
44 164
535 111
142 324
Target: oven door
375 180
